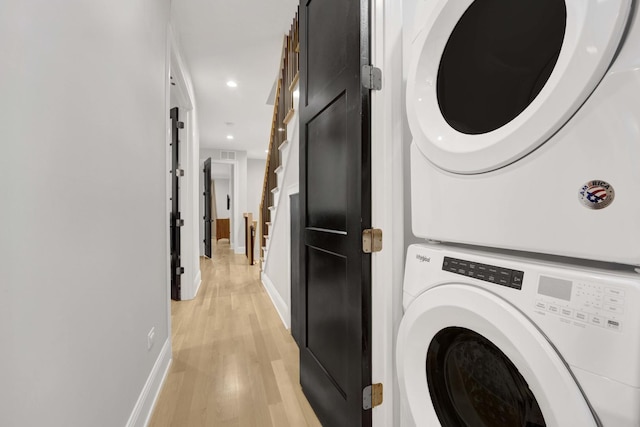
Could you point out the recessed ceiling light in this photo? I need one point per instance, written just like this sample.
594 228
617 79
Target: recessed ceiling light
229 136
231 83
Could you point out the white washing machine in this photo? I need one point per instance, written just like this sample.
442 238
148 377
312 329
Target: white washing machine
525 118
497 341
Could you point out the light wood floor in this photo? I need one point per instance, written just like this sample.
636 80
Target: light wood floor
234 363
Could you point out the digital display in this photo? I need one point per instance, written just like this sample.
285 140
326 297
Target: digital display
556 288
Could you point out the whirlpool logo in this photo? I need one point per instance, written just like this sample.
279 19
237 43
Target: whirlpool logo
423 258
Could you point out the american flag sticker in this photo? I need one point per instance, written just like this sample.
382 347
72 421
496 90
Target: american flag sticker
596 194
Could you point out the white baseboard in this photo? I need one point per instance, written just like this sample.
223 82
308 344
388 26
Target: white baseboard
190 292
197 282
239 250
278 302
141 413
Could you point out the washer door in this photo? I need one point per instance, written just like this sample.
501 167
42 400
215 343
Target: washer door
465 357
491 80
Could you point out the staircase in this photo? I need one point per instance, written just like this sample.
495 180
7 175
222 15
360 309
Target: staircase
281 126
276 194
281 180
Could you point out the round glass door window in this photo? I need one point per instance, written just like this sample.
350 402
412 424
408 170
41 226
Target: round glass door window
497 60
474 384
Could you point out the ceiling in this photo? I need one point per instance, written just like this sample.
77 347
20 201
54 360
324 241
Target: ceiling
239 40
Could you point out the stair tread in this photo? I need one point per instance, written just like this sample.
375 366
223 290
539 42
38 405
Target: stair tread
275 190
283 145
279 169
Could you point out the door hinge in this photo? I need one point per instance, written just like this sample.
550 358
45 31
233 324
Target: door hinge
180 125
372 396
179 271
179 172
371 240
371 77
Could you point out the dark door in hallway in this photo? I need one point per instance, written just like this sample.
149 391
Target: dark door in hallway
175 221
207 207
335 204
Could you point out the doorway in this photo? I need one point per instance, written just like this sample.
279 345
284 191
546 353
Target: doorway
222 181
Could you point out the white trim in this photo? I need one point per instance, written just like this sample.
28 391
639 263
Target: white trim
276 299
239 250
141 414
196 283
178 72
189 152
293 189
387 203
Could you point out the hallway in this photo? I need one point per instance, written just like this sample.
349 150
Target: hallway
234 363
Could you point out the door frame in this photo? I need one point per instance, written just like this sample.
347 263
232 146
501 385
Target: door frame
189 156
388 204
235 203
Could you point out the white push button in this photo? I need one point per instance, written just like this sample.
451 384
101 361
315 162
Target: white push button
566 312
541 305
596 320
553 308
614 308
581 316
615 292
612 299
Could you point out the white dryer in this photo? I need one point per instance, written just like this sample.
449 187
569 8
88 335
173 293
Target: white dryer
497 341
525 118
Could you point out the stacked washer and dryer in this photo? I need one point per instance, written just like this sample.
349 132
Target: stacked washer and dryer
523 307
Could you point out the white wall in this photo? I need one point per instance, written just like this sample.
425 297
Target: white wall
222 190
255 179
83 250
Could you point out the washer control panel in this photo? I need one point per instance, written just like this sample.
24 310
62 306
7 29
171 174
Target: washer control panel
582 302
485 272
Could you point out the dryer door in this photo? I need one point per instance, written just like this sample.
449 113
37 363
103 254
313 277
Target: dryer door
491 80
465 357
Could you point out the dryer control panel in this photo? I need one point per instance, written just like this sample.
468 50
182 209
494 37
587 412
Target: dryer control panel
485 272
584 302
